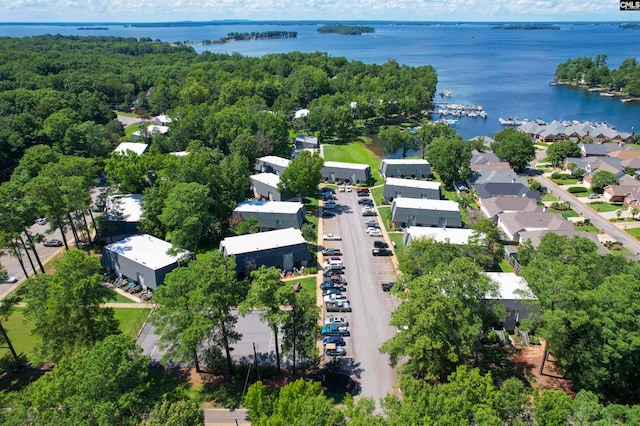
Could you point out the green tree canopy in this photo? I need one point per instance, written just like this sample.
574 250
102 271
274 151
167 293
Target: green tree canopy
302 176
514 147
65 306
450 158
602 179
395 139
560 150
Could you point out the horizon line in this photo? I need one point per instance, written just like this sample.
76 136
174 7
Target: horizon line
315 21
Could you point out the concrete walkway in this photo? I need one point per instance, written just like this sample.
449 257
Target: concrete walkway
225 417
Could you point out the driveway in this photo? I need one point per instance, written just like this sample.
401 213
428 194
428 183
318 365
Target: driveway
371 307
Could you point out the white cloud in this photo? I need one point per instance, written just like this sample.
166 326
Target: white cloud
415 10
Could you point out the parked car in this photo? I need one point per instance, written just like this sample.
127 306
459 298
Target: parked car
371 222
334 340
329 206
327 191
376 233
348 189
334 296
335 330
332 276
334 350
365 201
52 243
380 244
593 196
331 252
41 221
362 192
387 286
338 306
332 290
330 284
370 213
327 214
331 237
381 252
11 280
341 188
336 320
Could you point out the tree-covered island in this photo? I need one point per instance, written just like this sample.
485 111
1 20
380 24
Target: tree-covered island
594 72
346 29
233 36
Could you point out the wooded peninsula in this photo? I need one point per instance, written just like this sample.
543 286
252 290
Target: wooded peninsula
594 72
346 29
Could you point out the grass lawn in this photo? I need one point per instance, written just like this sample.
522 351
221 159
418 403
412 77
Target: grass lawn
133 128
549 197
565 181
385 217
396 237
376 195
131 319
634 232
355 152
308 284
504 266
622 252
588 228
120 299
19 330
583 194
605 207
569 213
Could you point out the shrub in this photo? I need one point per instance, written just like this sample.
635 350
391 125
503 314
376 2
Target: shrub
558 175
560 205
577 189
309 231
310 270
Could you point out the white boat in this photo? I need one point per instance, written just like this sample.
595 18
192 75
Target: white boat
446 94
607 94
626 100
594 89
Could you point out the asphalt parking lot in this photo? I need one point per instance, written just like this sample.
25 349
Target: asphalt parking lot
371 307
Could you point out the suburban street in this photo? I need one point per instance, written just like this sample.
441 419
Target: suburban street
371 307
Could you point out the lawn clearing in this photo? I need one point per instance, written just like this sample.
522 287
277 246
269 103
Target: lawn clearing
396 238
131 320
549 197
588 228
565 181
121 299
376 195
569 213
355 152
635 232
19 332
601 206
385 217
308 284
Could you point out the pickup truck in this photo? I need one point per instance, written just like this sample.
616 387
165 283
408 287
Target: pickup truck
335 330
338 306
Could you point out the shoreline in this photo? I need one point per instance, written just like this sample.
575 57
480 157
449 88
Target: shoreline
616 94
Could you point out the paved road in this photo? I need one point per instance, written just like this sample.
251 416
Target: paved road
223 416
371 307
587 212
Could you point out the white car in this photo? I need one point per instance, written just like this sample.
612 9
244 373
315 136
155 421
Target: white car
11 280
332 297
331 237
348 189
376 233
341 188
336 320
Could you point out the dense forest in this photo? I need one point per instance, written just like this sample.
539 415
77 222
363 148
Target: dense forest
595 72
346 29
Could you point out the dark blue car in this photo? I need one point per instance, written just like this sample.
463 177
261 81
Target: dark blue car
336 340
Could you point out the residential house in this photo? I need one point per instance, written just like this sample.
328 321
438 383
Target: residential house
513 224
490 190
410 188
417 169
272 214
126 147
556 130
162 120
122 214
492 207
306 142
457 236
141 258
271 164
346 172
501 166
282 248
592 150
514 294
149 132
618 193
424 212
488 157
265 185
496 176
603 134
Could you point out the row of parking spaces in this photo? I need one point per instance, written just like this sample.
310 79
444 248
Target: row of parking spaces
337 308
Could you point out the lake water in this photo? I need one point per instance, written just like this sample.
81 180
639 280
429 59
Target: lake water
505 71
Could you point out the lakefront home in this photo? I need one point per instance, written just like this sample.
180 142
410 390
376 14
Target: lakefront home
417 169
346 172
424 212
272 214
410 188
282 248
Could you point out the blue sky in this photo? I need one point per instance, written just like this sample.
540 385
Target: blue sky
413 10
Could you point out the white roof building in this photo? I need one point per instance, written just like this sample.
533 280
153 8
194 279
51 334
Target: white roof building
511 286
124 208
442 235
136 148
150 130
414 183
146 250
301 113
284 207
262 241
